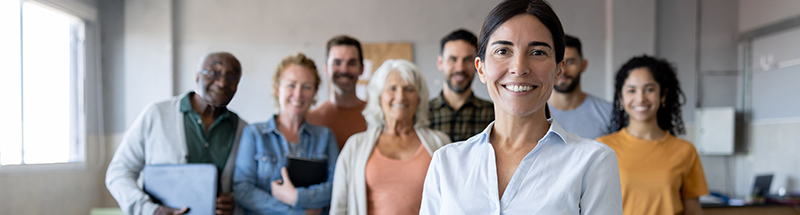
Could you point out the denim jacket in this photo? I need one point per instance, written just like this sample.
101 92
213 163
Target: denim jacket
262 154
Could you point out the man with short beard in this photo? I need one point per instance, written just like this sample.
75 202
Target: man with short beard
195 127
577 112
457 112
342 111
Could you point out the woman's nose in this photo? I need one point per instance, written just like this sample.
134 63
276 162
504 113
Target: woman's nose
518 66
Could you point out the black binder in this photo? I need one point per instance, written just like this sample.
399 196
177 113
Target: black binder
306 171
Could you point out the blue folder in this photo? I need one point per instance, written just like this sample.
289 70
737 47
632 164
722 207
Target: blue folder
177 186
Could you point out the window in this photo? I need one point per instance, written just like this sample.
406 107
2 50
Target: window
42 54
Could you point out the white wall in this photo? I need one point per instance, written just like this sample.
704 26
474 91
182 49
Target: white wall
261 33
758 13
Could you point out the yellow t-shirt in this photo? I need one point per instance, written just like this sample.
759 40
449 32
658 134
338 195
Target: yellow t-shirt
656 175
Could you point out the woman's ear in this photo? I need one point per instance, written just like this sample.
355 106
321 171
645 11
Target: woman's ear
276 90
480 69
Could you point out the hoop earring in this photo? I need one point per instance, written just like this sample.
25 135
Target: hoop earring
621 108
663 105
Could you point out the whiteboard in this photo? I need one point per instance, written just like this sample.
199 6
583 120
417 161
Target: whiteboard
776 75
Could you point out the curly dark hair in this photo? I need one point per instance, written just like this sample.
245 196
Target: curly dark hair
669 114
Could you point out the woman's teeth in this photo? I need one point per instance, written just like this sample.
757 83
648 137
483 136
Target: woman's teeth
519 88
639 108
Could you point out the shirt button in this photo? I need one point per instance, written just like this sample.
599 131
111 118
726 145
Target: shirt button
199 121
206 145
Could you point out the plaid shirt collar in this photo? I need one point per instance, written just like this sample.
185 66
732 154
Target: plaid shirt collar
439 101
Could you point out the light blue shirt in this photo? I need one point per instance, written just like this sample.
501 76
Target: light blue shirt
262 154
563 174
592 119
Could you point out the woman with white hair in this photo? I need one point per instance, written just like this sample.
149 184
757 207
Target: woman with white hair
382 170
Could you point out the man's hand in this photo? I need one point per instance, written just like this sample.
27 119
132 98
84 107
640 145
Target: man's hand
284 192
225 204
164 210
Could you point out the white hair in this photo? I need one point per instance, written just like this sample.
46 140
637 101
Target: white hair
373 113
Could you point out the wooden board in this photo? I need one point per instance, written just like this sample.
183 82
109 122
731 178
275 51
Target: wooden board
376 53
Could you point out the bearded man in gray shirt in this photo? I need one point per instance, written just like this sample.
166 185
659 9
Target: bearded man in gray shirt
577 112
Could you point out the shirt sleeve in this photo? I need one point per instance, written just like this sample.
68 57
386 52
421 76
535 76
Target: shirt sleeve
601 192
319 195
127 164
694 180
245 178
431 190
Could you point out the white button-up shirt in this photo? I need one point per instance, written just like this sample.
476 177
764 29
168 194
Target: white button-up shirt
563 174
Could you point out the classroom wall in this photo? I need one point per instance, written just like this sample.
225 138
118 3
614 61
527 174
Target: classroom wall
756 13
261 33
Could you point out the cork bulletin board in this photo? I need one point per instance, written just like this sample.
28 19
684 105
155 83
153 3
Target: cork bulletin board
374 56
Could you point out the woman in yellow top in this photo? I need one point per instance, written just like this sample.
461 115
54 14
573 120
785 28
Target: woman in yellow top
659 173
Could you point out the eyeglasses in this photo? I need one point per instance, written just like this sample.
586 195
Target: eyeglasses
214 75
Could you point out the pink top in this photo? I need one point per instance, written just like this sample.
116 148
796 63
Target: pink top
395 186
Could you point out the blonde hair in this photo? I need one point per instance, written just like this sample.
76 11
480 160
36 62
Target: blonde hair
298 59
373 113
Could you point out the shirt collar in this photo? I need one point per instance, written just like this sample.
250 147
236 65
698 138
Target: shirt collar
186 103
186 106
555 131
439 101
272 127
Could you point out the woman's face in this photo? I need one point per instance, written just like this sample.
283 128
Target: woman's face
519 68
399 99
296 90
641 95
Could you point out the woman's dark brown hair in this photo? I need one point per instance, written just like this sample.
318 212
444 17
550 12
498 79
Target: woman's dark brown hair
510 8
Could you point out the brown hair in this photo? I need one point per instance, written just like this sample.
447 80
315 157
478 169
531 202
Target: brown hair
344 40
298 59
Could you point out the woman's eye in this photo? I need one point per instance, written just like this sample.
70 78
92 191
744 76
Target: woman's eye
306 87
538 52
501 51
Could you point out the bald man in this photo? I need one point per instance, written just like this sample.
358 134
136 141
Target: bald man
195 127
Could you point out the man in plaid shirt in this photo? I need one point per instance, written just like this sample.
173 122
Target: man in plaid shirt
457 111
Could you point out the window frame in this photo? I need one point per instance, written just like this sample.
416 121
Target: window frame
85 86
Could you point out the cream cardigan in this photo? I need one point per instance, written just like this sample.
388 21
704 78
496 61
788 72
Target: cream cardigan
156 137
349 180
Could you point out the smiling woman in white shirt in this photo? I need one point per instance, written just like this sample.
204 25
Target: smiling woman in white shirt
522 163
